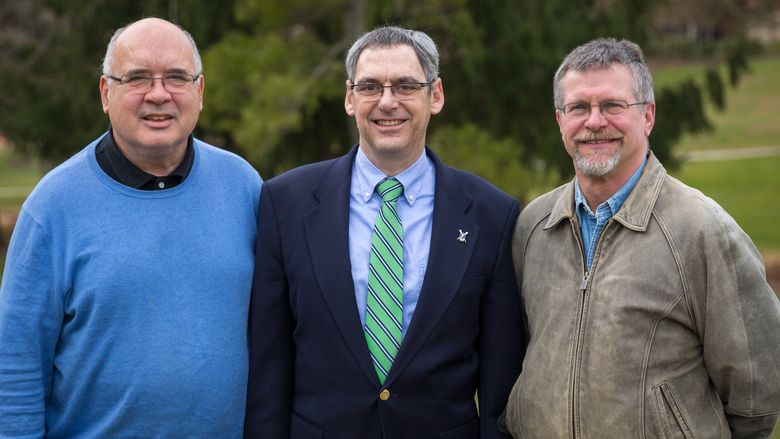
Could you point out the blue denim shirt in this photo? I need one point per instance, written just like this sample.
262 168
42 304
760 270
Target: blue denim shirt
592 224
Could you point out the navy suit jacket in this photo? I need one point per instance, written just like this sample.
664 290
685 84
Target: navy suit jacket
310 372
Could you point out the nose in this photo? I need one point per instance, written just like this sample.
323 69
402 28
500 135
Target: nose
158 93
595 119
387 100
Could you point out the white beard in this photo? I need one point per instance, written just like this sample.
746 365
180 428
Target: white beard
596 165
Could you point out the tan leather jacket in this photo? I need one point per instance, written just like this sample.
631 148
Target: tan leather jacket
673 333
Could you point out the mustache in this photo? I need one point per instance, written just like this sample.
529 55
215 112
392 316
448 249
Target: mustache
588 135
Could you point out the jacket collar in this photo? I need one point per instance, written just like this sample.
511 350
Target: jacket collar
636 211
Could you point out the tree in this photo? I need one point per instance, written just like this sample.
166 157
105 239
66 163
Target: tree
279 90
275 79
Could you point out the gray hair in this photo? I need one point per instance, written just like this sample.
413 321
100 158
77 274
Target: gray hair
602 53
390 36
109 58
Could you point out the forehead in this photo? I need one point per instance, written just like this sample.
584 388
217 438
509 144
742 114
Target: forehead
155 48
389 63
615 82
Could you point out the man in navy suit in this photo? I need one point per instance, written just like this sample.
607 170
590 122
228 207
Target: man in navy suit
325 361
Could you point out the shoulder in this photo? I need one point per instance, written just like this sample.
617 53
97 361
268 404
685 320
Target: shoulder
70 177
683 206
698 226
541 207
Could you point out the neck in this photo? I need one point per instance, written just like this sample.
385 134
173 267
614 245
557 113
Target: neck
597 190
393 164
159 165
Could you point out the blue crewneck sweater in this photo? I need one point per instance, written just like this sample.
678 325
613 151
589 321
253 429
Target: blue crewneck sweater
123 312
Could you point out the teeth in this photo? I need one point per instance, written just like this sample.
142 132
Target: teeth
387 123
151 117
597 141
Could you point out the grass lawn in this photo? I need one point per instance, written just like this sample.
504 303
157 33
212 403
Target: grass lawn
751 112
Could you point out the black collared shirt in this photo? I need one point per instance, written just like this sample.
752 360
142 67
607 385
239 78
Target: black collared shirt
121 169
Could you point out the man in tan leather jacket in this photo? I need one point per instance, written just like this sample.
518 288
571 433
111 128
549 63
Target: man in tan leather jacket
648 308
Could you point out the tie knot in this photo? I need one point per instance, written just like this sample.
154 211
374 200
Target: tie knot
389 189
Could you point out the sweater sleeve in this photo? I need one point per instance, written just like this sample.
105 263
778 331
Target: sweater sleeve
31 314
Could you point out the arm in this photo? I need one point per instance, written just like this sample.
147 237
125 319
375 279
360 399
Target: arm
742 334
502 335
271 349
31 315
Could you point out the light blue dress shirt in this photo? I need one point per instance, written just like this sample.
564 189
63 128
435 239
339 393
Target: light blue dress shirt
416 211
591 225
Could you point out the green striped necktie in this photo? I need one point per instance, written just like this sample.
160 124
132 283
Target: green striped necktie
384 302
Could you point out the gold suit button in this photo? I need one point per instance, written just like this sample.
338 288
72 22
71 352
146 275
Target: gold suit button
385 395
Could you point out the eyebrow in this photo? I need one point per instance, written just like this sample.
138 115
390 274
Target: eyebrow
142 71
586 101
399 80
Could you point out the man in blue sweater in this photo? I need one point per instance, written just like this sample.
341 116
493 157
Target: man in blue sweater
125 295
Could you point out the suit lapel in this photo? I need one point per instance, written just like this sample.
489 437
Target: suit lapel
447 261
327 234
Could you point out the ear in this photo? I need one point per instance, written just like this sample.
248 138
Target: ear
201 87
349 105
437 96
649 118
103 86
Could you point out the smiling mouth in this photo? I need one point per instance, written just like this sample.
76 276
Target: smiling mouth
597 141
157 117
389 123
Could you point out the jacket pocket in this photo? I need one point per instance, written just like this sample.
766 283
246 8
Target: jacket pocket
670 414
301 428
466 431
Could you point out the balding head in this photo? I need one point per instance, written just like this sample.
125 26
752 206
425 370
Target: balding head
150 28
152 91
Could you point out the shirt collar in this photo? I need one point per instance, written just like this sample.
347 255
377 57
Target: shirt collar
126 172
613 203
368 176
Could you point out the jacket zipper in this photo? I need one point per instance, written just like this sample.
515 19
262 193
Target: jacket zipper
581 320
576 347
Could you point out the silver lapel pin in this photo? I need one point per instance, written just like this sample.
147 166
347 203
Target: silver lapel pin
462 237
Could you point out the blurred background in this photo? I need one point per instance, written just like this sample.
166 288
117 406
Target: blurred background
275 87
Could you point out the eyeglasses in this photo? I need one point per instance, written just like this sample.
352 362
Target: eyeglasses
402 90
140 83
578 110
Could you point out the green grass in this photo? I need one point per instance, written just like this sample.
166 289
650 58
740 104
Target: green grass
748 189
750 118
